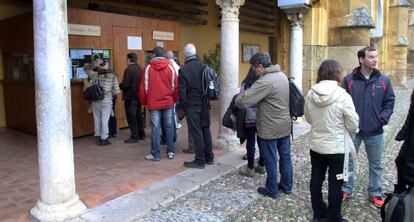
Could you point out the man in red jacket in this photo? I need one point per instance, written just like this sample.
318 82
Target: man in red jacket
159 91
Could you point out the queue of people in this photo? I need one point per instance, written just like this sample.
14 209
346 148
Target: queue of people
343 113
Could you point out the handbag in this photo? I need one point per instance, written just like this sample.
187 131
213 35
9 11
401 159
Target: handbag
94 93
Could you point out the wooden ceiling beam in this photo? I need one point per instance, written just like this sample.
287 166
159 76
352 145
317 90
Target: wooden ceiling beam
255 21
259 15
164 5
144 13
259 7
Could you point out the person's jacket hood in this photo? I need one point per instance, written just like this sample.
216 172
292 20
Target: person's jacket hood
325 93
159 63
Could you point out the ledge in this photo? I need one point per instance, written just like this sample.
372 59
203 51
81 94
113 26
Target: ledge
400 3
359 18
402 41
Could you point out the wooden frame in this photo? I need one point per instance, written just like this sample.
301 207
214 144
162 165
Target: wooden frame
248 50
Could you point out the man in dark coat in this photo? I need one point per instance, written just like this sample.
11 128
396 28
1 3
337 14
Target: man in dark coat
374 99
197 108
405 158
130 87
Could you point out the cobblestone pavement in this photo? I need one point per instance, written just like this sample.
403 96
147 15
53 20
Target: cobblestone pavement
234 197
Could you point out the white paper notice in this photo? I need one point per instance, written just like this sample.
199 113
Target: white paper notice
134 42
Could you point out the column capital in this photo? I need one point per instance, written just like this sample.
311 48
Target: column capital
230 8
295 19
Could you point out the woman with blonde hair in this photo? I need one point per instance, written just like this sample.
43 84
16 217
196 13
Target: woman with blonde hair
331 112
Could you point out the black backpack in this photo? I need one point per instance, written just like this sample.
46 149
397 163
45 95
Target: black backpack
296 100
210 84
398 207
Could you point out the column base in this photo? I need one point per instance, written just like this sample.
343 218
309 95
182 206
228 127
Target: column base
226 142
57 212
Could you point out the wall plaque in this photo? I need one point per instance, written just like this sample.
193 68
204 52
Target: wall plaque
86 30
159 35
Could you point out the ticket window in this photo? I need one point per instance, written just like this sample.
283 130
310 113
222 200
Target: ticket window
79 57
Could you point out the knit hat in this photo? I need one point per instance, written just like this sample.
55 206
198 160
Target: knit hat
189 50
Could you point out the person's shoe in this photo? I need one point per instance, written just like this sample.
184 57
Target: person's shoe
179 125
210 162
188 151
104 142
283 190
97 139
263 191
131 140
377 201
260 169
142 137
346 196
246 171
244 157
171 155
194 164
150 157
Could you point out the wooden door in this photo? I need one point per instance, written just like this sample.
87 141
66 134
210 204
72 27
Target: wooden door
120 63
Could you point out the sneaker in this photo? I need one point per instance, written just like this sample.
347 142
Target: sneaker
194 164
263 191
260 169
246 171
346 196
210 162
131 140
377 201
179 125
151 158
170 155
244 157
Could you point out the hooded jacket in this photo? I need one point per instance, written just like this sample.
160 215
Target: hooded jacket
373 98
270 94
331 112
159 85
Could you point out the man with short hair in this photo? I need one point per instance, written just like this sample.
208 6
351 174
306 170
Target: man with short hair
197 108
270 94
159 91
374 99
130 88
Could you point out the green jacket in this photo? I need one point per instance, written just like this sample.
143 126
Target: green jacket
271 94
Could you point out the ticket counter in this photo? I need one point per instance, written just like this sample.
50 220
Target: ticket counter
112 35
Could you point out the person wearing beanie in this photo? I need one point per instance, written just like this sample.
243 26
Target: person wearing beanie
195 107
159 91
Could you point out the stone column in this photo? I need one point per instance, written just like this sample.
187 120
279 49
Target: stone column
58 198
229 66
296 46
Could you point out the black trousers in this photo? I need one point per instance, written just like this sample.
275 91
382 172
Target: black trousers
199 126
135 118
112 125
320 163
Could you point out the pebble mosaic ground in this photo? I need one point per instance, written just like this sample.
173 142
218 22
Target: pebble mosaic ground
234 197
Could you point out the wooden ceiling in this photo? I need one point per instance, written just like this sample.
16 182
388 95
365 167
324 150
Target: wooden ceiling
257 16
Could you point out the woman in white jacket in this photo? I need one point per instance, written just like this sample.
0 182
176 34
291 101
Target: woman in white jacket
331 112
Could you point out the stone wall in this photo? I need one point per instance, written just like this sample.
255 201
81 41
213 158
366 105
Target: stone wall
345 55
313 56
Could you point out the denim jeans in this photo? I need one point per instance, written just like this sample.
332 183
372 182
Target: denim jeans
334 163
269 147
251 135
167 116
374 147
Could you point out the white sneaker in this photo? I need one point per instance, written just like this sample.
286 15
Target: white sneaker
171 155
179 125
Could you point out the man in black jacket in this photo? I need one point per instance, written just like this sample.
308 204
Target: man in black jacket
196 107
130 87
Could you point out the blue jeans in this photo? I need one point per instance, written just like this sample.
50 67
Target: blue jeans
374 147
269 147
167 116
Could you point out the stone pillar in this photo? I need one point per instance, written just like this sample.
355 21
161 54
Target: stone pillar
296 47
229 66
58 198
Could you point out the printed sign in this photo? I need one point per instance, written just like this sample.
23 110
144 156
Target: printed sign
159 35
86 30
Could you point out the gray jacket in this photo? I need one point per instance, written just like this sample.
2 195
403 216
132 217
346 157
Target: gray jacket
271 94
